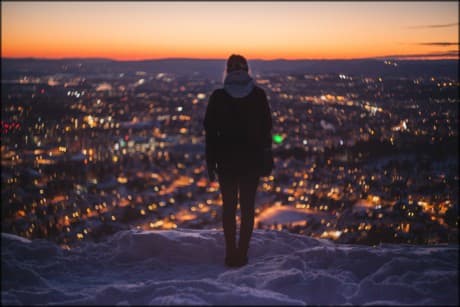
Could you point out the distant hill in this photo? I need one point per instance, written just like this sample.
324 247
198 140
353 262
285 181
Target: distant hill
214 68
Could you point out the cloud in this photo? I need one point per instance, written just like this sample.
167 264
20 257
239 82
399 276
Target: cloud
439 44
438 54
435 26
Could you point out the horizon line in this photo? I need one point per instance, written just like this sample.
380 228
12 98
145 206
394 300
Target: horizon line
379 58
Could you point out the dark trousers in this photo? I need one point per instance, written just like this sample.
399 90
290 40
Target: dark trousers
246 186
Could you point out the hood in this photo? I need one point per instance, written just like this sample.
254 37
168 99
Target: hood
238 84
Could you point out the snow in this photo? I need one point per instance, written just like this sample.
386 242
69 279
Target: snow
185 266
327 126
287 214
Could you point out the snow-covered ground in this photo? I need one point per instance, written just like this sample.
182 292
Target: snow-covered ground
186 267
287 214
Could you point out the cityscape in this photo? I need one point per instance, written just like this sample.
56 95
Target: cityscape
360 159
106 196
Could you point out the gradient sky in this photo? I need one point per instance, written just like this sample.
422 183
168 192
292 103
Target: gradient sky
264 30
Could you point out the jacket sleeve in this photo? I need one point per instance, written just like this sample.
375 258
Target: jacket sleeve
266 122
211 130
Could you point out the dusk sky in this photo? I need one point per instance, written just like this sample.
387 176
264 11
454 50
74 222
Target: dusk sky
258 30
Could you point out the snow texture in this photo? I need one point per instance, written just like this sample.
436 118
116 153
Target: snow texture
186 267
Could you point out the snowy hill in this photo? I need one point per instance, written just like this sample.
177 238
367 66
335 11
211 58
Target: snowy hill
186 267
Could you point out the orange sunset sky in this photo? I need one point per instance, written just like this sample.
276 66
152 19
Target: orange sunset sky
263 30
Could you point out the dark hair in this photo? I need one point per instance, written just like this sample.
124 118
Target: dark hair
236 62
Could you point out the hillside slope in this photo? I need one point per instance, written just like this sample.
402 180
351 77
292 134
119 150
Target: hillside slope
186 267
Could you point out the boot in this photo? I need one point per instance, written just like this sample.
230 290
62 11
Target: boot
230 248
231 257
241 257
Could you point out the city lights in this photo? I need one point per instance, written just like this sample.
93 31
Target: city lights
358 159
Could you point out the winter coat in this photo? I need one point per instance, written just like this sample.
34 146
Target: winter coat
238 126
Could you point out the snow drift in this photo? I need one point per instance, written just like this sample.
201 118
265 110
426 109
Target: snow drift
186 267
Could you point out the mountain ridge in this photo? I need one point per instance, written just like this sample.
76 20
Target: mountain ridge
214 67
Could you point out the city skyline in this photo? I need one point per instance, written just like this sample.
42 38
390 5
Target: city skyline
259 30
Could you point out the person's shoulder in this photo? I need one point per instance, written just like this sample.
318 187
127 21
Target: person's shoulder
260 92
217 92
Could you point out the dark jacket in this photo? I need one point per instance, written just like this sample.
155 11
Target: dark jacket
238 129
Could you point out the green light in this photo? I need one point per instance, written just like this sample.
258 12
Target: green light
277 138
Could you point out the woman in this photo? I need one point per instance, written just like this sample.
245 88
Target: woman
238 140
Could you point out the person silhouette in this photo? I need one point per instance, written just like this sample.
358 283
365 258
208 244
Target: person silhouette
238 127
